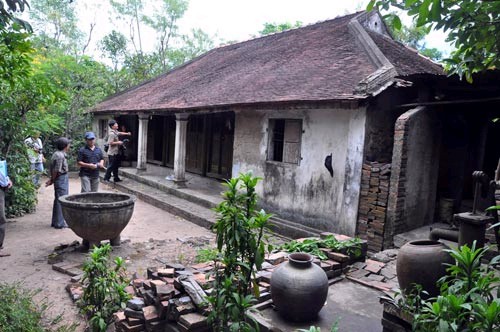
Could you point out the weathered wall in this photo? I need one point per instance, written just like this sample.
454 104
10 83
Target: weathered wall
95 128
306 193
415 166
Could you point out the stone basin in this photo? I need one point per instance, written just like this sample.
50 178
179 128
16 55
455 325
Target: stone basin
97 216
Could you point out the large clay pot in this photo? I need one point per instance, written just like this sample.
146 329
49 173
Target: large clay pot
299 288
97 216
422 262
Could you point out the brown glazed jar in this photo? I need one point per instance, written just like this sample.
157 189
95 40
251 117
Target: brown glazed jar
299 288
422 262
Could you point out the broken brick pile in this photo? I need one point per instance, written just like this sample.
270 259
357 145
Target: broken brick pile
375 180
378 272
172 296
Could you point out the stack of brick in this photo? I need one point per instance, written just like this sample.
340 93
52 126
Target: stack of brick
160 302
171 297
374 195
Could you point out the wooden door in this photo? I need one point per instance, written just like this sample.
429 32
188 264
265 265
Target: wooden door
220 145
195 144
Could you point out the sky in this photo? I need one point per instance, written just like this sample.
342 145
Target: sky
239 20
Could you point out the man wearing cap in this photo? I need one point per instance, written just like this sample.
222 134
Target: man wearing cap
59 178
90 159
114 151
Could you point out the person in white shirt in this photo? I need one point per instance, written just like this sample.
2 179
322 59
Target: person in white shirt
5 184
35 154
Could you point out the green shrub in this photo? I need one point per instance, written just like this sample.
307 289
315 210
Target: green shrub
104 288
239 230
468 299
312 246
18 312
206 255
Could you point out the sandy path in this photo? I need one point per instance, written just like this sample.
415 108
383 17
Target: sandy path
152 232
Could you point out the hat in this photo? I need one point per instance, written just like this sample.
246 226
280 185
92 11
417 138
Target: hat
111 122
89 135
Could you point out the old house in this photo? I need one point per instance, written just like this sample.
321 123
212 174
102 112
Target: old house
351 131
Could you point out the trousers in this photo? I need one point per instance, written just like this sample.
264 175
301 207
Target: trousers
61 188
3 220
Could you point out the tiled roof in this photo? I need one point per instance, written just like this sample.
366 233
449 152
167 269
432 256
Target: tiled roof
406 60
320 62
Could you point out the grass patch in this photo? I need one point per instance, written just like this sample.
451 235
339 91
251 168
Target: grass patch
19 313
206 255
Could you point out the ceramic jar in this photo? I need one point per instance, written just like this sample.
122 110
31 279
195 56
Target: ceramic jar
299 288
422 262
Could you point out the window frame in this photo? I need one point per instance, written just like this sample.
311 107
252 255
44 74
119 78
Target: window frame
290 138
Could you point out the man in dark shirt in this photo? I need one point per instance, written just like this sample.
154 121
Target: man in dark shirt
90 159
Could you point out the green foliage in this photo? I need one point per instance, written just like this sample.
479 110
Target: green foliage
56 24
19 313
7 10
206 255
312 246
114 45
412 36
279 27
104 288
469 296
16 84
473 27
17 310
239 235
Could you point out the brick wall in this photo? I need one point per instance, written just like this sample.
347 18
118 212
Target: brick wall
396 201
375 180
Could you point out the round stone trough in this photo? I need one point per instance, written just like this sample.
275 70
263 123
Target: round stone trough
98 216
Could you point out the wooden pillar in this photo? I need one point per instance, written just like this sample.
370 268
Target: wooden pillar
142 141
181 122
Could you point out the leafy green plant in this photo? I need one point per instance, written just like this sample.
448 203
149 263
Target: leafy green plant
310 246
239 236
206 255
350 247
104 287
313 246
19 313
469 296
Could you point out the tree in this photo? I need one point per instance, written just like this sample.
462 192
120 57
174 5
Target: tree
114 46
164 22
473 27
193 45
131 10
56 24
413 36
278 27
7 10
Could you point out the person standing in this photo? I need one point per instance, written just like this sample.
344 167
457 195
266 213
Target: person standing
59 178
35 154
114 151
90 159
5 184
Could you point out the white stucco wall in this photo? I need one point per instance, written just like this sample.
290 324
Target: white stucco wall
95 128
306 193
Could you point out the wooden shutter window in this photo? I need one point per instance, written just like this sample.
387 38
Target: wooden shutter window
292 140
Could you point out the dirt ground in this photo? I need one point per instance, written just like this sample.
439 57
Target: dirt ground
152 236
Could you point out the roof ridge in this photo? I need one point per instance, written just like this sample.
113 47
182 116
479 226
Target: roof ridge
385 72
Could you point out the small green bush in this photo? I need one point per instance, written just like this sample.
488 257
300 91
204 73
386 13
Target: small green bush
19 313
206 255
104 288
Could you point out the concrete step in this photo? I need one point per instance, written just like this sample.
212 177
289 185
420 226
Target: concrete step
187 194
195 206
193 212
